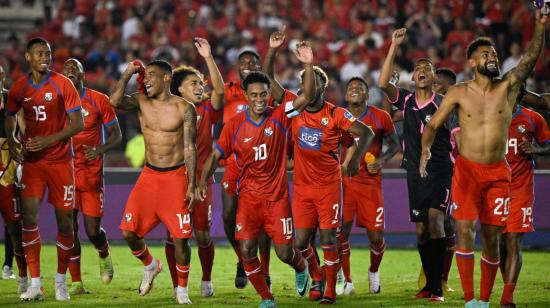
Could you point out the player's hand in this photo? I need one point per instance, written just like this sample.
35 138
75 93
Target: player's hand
542 14
353 167
394 79
375 166
424 158
90 153
277 38
203 47
191 198
303 52
201 191
131 69
38 143
528 147
398 36
16 149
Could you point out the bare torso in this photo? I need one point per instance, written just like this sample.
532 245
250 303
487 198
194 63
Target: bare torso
484 117
162 128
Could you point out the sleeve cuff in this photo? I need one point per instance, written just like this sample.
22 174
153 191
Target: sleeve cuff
110 123
290 111
74 109
219 149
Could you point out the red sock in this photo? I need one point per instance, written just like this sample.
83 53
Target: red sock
144 255
21 264
255 275
264 259
65 244
448 260
465 264
346 254
330 253
31 247
298 262
74 268
314 269
489 270
103 251
237 250
170 253
206 255
376 254
183 275
508 294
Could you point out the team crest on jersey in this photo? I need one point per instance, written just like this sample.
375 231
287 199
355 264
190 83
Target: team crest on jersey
521 129
268 131
349 116
225 185
238 227
85 112
324 121
428 118
48 96
128 217
241 108
198 118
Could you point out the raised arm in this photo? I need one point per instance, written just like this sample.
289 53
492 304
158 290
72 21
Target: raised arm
397 38
218 93
190 151
366 136
276 40
304 53
120 100
114 137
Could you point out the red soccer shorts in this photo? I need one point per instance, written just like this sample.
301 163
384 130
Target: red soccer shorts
57 177
481 191
366 201
158 196
9 205
230 177
202 212
274 217
89 192
317 206
520 218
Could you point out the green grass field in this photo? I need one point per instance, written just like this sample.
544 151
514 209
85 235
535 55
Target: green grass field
399 272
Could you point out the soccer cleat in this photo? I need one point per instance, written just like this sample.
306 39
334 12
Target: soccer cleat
206 289
182 296
77 288
374 282
446 288
268 281
33 294
421 279
302 282
149 276
7 272
508 305
436 298
340 281
106 270
268 303
22 285
240 277
327 301
349 289
470 304
316 290
61 291
424 293
482 304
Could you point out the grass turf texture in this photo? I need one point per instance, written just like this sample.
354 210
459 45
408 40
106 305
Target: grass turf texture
399 272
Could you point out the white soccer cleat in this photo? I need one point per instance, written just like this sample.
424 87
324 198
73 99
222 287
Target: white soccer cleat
33 294
349 289
340 281
61 291
374 282
7 272
149 276
106 269
22 285
207 290
182 296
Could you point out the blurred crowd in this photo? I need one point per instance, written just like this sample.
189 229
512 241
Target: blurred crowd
349 37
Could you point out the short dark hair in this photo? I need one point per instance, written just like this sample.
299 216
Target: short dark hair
447 72
250 52
35 41
360 79
178 76
425 60
478 42
163 65
255 77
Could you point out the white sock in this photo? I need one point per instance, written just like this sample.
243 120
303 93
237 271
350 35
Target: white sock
35 282
59 278
151 266
181 289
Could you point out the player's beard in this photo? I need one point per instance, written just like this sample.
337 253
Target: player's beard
483 70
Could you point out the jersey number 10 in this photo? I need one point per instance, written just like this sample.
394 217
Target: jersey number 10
260 152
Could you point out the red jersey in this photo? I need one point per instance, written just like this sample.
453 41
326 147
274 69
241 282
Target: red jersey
382 125
259 150
45 106
530 125
317 138
98 114
207 117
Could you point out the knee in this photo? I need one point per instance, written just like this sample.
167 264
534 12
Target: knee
203 238
328 237
377 239
284 254
129 236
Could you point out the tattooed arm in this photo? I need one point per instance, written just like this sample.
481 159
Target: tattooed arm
190 150
118 99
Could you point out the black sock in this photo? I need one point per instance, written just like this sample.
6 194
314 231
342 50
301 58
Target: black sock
424 251
8 249
437 249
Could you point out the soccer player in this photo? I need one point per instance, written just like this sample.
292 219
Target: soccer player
235 103
363 192
101 133
165 190
10 202
428 199
481 180
258 140
188 83
52 115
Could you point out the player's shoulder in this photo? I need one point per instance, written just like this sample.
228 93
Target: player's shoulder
21 81
96 95
532 114
378 111
59 78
